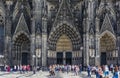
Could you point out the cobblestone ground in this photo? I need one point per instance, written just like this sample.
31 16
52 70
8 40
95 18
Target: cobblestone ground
41 74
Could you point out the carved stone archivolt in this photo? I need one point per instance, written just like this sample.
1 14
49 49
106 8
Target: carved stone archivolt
21 45
107 43
74 39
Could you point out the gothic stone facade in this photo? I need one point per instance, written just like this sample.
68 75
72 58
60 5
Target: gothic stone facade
44 32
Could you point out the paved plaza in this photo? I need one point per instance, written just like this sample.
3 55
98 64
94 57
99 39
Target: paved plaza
41 74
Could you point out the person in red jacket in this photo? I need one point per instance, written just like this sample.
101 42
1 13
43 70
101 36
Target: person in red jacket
8 68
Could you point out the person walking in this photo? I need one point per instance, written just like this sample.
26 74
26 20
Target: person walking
15 68
80 67
106 71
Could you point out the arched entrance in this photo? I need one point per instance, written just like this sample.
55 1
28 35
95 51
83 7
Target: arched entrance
107 48
64 50
21 53
64 45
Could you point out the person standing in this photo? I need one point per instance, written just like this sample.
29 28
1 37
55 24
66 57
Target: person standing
96 72
100 72
8 68
89 70
80 67
111 68
20 69
34 69
77 70
116 72
15 68
106 71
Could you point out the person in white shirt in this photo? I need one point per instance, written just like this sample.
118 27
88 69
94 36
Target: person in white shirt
15 68
106 71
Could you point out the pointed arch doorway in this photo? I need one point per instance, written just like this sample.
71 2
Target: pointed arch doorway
64 50
21 52
107 48
66 40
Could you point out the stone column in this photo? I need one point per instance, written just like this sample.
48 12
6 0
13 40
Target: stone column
17 55
20 55
86 43
7 53
86 50
32 49
15 62
97 45
44 41
64 61
44 49
73 56
32 40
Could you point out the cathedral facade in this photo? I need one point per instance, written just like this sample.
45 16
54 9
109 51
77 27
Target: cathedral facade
44 32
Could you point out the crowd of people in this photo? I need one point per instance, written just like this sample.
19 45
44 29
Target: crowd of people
65 68
99 71
15 68
104 71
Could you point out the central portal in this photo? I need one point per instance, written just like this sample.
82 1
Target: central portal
66 39
64 48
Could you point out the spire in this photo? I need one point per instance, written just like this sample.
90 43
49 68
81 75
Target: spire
21 6
44 9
